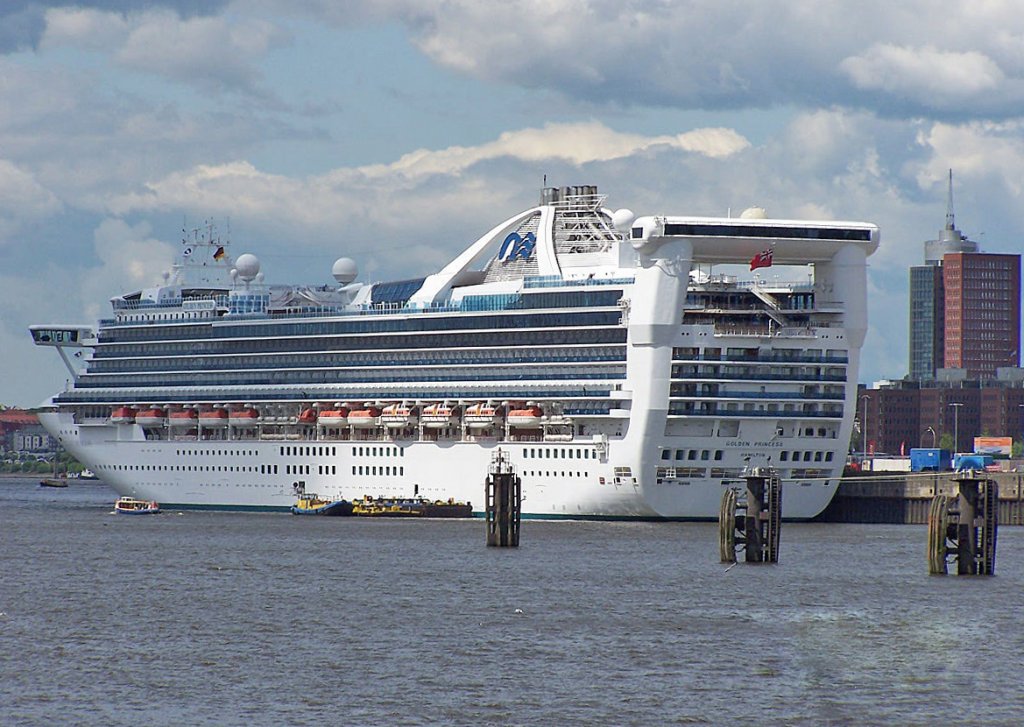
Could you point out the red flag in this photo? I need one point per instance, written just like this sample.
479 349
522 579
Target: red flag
762 259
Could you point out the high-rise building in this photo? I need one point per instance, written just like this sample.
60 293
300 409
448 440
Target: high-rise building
982 312
964 306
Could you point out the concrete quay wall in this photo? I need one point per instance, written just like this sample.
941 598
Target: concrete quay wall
904 498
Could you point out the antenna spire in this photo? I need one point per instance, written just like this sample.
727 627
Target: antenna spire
949 204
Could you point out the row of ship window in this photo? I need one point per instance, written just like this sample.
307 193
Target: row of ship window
687 372
775 355
563 473
564 453
103 411
729 473
291 376
383 470
332 451
361 360
183 468
716 455
361 326
611 332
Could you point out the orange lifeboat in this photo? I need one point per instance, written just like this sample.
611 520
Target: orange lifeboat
308 417
213 418
182 418
337 417
122 415
525 417
152 417
481 416
365 418
244 417
399 416
440 416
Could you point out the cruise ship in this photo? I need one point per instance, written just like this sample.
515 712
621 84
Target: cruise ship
627 366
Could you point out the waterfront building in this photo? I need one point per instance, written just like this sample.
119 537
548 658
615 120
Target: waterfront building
899 415
964 306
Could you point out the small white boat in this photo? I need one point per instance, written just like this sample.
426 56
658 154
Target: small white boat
130 506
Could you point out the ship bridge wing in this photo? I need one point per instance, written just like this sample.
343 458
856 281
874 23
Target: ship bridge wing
731 240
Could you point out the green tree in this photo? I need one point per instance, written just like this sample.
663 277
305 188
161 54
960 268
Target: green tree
946 442
1017 449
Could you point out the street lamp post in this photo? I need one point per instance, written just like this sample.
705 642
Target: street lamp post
864 429
930 429
956 425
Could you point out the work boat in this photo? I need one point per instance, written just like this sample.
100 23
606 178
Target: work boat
627 367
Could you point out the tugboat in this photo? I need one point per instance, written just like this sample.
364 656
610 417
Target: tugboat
311 504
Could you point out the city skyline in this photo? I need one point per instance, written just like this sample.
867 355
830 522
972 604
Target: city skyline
395 133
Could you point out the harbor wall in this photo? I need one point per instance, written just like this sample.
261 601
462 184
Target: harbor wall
905 498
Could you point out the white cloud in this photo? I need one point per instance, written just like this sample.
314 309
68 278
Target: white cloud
927 74
975 150
214 52
22 199
316 200
727 55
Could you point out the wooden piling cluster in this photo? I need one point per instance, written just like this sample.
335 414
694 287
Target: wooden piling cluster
965 527
752 520
503 495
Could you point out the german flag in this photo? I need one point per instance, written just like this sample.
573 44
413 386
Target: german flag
219 254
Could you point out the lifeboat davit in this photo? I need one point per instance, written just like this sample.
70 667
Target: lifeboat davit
481 416
365 418
213 418
244 417
122 415
399 416
152 417
526 417
337 417
182 418
308 417
440 416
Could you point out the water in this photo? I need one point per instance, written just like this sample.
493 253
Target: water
231 618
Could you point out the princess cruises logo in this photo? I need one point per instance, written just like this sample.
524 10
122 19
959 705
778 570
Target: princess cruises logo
517 246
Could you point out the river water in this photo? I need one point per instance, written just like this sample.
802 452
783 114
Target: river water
239 619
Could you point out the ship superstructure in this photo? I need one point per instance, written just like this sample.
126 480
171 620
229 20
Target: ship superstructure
628 367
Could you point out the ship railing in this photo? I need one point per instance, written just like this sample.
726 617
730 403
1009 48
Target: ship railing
678 357
765 331
758 395
674 411
678 375
557 281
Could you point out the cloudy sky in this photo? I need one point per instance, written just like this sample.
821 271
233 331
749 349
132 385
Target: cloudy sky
397 131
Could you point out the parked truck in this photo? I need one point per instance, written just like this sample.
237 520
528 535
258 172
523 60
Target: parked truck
930 460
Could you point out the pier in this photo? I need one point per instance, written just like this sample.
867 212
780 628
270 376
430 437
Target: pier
906 499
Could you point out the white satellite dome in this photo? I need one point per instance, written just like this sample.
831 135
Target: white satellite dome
754 213
345 270
622 219
248 266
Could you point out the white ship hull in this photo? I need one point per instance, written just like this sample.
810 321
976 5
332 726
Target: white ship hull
253 474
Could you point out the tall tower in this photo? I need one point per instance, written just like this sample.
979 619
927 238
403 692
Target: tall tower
927 296
964 306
